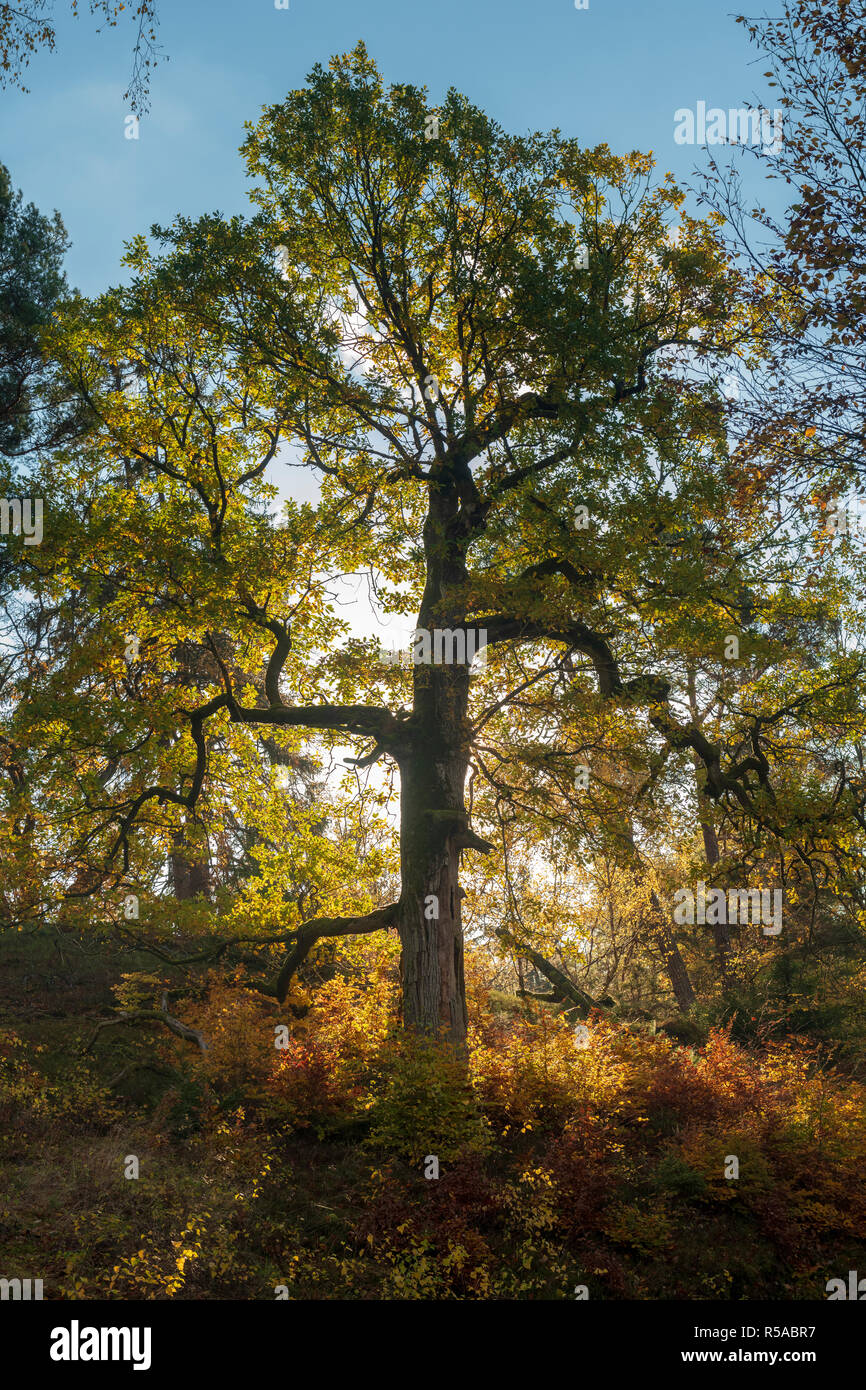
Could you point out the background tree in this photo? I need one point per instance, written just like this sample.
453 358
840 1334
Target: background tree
800 413
27 27
35 406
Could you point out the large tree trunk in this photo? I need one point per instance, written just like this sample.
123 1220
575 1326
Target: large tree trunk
433 828
433 776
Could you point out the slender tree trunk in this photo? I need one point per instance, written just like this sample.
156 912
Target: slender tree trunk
677 971
721 934
190 876
675 966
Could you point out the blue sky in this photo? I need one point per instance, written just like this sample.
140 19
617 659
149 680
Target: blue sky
616 72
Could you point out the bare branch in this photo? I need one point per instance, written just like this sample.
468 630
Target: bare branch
150 1016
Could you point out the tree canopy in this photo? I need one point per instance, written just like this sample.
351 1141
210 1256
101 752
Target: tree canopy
503 359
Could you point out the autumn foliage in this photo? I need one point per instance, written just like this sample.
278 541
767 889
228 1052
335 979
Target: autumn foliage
560 1164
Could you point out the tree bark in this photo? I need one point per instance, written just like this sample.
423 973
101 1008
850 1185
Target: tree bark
190 876
675 966
721 931
434 828
433 768
721 934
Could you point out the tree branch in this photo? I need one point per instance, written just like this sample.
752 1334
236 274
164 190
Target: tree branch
310 932
563 989
150 1016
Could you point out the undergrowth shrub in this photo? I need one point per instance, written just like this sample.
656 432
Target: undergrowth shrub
565 1158
422 1103
322 1078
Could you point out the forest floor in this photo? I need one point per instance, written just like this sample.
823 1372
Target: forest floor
353 1164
